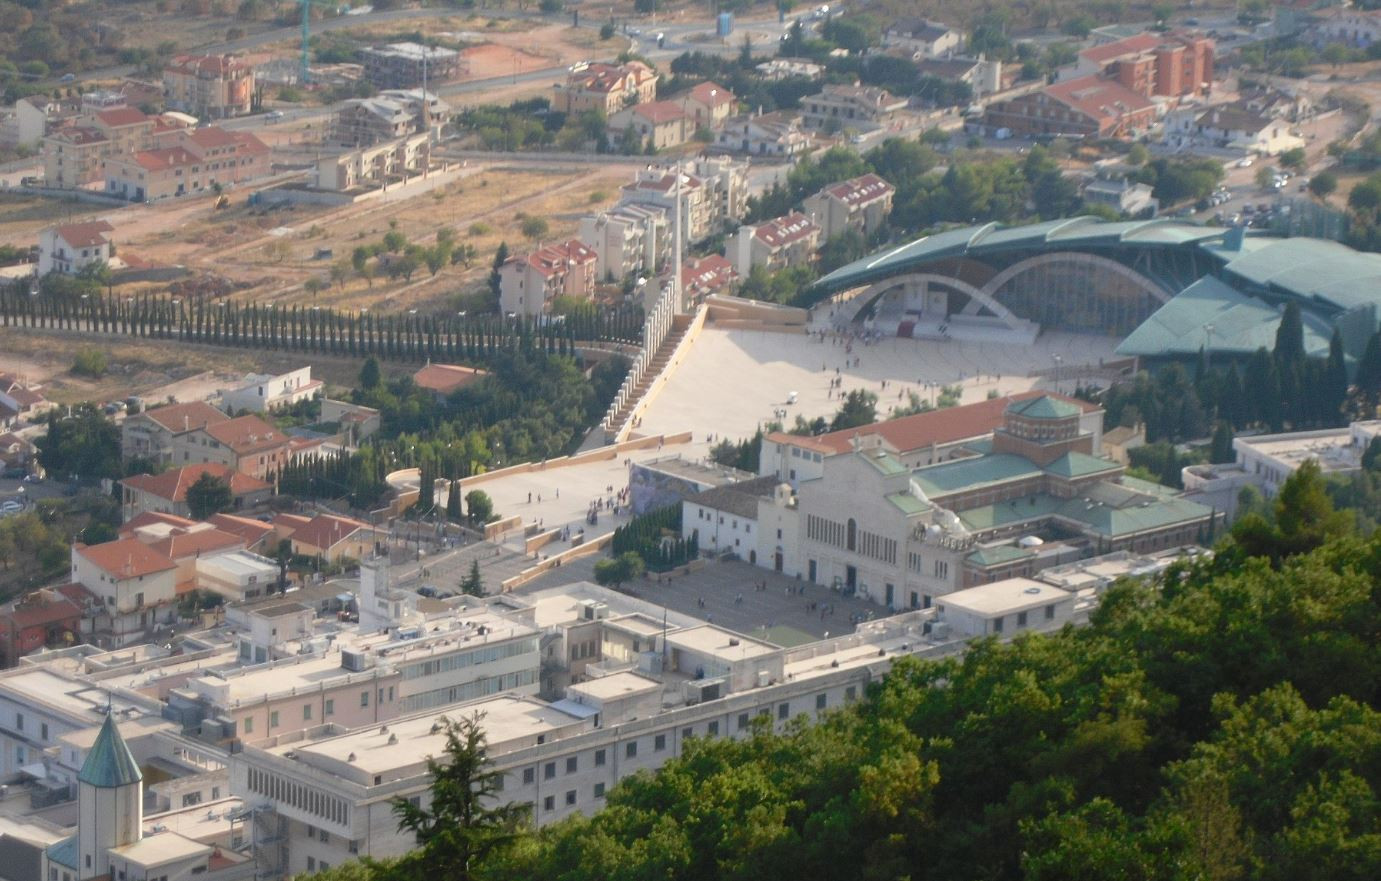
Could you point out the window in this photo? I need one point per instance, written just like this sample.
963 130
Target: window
273 719
599 790
548 770
311 864
1021 619
687 733
306 712
742 721
311 832
712 730
249 725
659 743
820 701
330 709
364 698
997 624
549 803
43 729
325 837
851 693
570 797
19 721
630 749
599 758
1050 612
783 710
529 775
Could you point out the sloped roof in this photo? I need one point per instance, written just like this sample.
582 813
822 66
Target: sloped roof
784 230
1074 465
247 434
173 484
1099 98
1043 407
153 518
740 499
85 235
126 558
963 474
1134 45
121 116
446 378
186 417
250 531
859 190
109 763
325 531
185 544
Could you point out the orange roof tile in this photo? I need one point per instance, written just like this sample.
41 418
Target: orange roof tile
173 484
325 531
446 378
247 434
86 235
126 558
197 542
186 417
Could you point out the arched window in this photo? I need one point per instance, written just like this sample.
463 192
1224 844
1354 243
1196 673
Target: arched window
852 539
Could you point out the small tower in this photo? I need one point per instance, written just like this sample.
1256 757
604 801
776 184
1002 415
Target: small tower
110 801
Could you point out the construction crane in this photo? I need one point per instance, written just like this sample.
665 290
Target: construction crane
304 73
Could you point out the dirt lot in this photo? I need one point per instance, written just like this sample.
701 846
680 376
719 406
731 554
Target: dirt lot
152 369
21 217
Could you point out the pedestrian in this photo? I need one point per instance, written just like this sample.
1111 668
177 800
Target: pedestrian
529 498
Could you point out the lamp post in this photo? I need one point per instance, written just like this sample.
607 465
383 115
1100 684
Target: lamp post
1058 360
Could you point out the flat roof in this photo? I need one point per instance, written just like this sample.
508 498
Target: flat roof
1002 597
615 686
160 849
404 743
76 697
717 642
199 822
1332 448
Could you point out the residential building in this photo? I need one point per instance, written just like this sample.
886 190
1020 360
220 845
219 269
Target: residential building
329 537
658 124
16 451
1358 28
134 585
1172 65
357 422
1122 195
376 166
20 399
149 434
443 380
658 188
72 156
238 575
407 65
263 393
1007 606
45 618
529 282
247 444
364 122
196 162
1266 461
983 76
791 240
922 38
860 204
726 187
209 86
607 88
1228 126
72 247
1086 107
703 276
31 118
725 516
167 492
626 239
764 134
860 108
789 68
189 546
706 105
258 536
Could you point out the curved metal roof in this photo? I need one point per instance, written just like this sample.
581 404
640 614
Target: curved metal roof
975 241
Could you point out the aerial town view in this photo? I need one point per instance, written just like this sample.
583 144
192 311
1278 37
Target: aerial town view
469 440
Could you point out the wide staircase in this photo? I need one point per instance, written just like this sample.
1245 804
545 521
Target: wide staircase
616 427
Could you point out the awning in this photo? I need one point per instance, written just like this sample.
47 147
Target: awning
37 771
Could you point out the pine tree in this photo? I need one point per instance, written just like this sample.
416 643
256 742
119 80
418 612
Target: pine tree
1369 368
1289 348
1334 381
1222 451
453 509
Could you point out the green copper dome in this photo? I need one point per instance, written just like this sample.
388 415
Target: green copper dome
109 763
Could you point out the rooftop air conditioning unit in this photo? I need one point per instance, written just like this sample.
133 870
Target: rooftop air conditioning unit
354 661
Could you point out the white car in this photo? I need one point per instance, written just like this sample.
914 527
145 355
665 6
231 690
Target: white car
1245 162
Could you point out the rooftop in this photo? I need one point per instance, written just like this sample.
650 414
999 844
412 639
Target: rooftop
109 763
173 484
614 686
161 849
737 498
782 231
91 234
185 417
716 642
126 558
1003 597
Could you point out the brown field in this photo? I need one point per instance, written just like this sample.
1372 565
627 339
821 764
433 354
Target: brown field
21 217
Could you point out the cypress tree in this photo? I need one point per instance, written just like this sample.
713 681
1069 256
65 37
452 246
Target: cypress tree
1335 380
1369 368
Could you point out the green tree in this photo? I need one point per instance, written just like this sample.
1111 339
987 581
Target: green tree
209 495
479 507
473 583
618 570
89 362
1323 184
283 555
370 375
462 826
1222 451
859 408
534 228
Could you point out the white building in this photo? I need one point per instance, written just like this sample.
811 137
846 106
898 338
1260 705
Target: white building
262 392
861 204
135 588
1005 607
237 576
764 134
627 239
790 240
71 248
922 38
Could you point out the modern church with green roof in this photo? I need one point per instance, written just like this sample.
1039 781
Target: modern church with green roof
1172 289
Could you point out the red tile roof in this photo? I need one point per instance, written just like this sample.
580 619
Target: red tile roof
706 275
1134 45
247 434
85 235
210 66
325 531
909 433
210 137
164 158
81 134
249 144
446 378
126 558
860 190
250 531
172 484
552 259
186 417
196 542
46 607
122 116
153 518
659 112
712 94
784 230
1098 98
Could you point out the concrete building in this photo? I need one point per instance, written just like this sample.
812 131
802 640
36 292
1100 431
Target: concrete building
775 69
1172 65
238 576
704 276
764 134
860 204
329 537
606 88
657 188
45 618
375 166
72 247
860 108
791 240
627 239
922 38
1090 107
1358 28
982 75
529 282
1122 195
1009 606
247 444
167 492
706 105
723 518
20 399
193 162
656 124
1228 126
135 589
406 65
209 86
263 393
357 422
150 434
